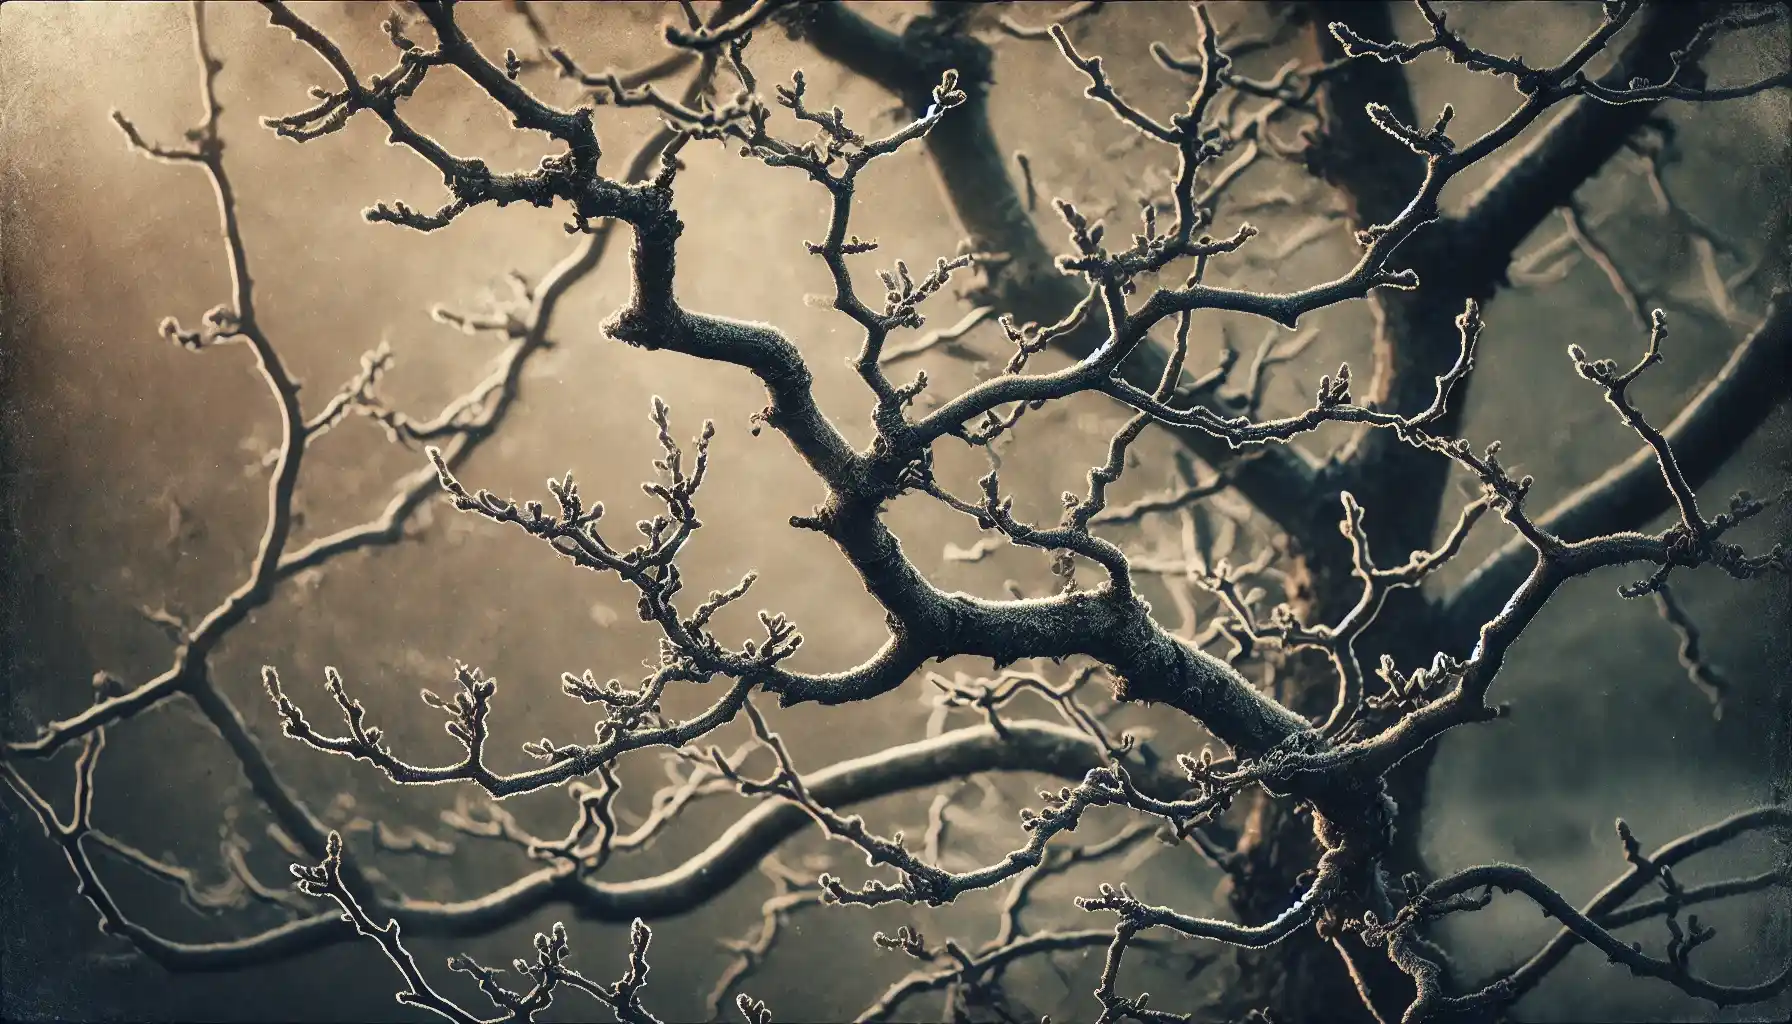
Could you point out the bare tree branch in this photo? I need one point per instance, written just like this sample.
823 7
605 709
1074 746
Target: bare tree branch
1626 497
1100 300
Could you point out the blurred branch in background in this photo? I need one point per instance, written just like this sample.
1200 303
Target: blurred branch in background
1311 809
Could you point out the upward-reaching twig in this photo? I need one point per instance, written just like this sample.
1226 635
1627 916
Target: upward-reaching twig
1335 768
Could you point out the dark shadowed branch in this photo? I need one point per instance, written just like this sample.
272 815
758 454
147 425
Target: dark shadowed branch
1100 300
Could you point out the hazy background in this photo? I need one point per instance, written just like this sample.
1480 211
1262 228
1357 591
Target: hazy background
133 478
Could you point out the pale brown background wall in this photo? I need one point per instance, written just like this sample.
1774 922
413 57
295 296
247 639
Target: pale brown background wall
133 478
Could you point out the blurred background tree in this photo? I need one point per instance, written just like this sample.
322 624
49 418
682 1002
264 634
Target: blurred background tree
139 485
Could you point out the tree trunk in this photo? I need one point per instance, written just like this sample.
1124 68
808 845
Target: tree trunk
1304 977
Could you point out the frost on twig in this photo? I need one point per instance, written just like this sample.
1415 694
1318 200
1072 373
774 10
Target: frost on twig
1158 275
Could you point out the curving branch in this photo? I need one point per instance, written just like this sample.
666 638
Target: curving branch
1613 907
1453 895
1107 300
1544 175
1028 746
465 424
974 177
1724 414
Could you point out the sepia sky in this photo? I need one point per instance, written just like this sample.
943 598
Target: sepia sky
135 479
